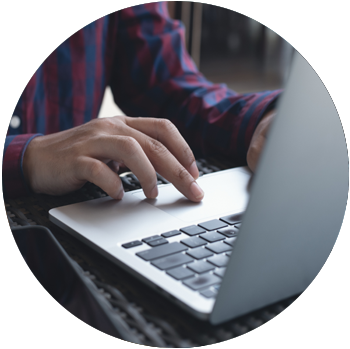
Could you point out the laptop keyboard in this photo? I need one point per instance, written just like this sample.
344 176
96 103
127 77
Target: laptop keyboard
198 259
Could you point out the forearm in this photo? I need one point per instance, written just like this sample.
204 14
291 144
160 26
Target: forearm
155 76
13 181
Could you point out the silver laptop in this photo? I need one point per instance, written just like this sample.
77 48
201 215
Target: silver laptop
208 257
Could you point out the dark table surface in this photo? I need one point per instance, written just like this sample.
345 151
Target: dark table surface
145 316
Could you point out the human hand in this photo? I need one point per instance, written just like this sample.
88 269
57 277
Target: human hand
62 162
258 140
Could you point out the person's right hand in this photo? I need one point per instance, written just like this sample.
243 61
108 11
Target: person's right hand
63 162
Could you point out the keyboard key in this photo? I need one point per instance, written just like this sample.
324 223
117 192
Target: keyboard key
228 254
208 293
180 273
172 261
238 225
160 241
219 247
229 231
230 241
212 236
214 224
199 253
220 272
194 242
216 287
151 238
232 219
132 244
193 230
219 261
169 234
201 267
202 281
162 251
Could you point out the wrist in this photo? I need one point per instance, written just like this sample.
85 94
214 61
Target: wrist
28 162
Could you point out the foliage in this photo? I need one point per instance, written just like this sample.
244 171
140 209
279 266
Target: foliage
70 332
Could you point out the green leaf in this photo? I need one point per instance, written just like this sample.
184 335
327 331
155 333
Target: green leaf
18 330
291 317
299 301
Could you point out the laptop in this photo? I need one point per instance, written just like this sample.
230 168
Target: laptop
254 239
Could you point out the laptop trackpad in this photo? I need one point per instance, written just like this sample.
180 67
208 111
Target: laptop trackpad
230 195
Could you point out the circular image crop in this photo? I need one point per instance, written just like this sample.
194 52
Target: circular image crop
175 174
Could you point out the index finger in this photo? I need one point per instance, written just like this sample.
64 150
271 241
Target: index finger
166 132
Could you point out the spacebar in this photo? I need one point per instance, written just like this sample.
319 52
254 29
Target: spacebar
161 251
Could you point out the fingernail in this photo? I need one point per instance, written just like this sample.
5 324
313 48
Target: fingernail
193 170
154 192
120 195
196 191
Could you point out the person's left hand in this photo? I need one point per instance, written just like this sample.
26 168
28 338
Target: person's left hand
258 140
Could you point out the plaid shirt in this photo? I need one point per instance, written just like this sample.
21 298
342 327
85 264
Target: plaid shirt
140 53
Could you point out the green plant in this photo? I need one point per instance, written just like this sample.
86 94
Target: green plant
70 332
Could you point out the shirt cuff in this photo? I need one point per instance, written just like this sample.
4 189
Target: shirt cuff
13 182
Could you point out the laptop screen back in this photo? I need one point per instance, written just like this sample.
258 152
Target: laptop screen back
297 203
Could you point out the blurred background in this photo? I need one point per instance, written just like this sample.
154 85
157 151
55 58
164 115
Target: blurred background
227 48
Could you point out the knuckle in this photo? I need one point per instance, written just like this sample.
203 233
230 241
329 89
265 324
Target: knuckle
129 145
181 173
188 154
156 148
95 169
166 126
